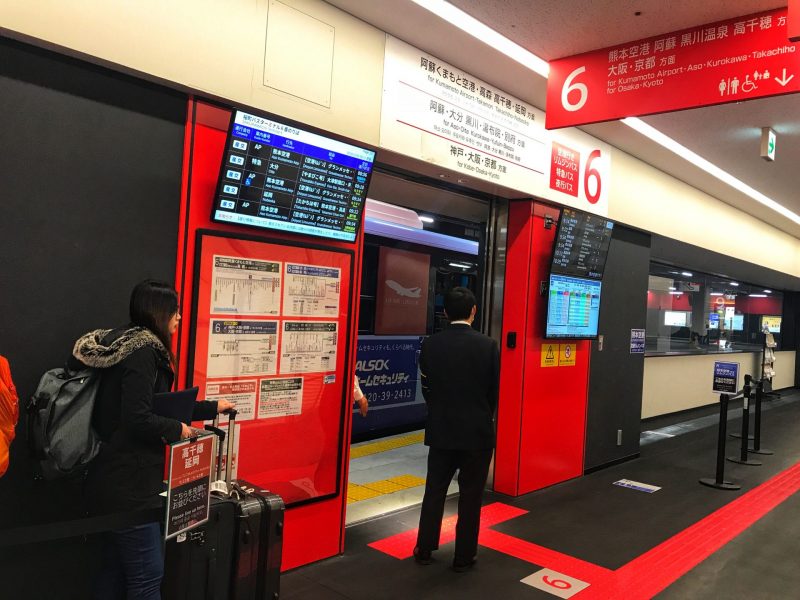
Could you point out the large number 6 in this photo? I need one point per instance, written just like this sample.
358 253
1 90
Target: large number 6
592 172
557 583
569 87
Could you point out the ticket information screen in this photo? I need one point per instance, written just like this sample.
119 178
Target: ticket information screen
278 176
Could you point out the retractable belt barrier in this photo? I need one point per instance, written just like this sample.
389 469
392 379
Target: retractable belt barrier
757 449
743 459
746 394
719 481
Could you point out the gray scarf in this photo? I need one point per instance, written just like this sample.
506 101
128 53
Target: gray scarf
91 351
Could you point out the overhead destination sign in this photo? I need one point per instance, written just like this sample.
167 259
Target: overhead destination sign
729 61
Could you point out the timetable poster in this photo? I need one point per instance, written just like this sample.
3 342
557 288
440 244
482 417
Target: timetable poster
308 347
242 348
245 286
311 291
269 333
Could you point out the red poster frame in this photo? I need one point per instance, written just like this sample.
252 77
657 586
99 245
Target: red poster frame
303 458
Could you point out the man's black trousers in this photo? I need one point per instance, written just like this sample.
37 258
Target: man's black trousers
473 468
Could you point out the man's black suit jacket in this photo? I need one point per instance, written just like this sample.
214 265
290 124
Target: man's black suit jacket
460 370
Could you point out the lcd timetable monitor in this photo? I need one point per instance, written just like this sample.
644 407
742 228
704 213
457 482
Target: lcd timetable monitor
281 176
579 259
573 307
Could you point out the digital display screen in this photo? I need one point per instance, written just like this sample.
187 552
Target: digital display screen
737 323
278 176
773 323
581 245
573 307
675 318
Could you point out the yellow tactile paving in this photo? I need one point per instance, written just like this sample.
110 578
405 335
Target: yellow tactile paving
408 480
357 492
363 491
384 445
384 487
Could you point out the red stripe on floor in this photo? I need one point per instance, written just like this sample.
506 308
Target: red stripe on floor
539 555
402 544
653 571
646 575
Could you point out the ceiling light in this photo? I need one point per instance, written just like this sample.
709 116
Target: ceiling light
734 284
757 295
716 294
686 273
426 219
767 291
710 168
487 35
676 293
673 288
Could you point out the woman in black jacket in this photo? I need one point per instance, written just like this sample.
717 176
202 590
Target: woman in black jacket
128 473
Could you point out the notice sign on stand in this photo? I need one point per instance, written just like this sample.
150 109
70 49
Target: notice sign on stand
188 494
726 377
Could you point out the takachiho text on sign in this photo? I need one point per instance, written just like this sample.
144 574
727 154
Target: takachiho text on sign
728 61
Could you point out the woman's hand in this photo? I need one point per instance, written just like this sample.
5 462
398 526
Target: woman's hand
223 405
186 431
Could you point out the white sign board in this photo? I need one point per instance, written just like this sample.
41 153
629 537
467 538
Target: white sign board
442 115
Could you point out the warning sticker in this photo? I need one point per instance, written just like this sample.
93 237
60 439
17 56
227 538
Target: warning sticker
566 355
549 355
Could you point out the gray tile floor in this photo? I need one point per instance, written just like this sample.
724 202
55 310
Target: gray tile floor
412 460
406 460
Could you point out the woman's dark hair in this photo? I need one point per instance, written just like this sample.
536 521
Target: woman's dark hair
458 303
152 305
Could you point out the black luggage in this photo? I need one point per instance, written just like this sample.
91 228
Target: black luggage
236 555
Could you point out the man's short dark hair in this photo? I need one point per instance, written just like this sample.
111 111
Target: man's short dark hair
458 303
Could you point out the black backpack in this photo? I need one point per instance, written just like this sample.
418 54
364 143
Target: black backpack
60 432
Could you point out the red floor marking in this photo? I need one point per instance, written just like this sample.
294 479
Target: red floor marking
650 573
539 555
646 575
402 544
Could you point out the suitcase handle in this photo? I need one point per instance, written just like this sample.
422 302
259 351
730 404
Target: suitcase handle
231 437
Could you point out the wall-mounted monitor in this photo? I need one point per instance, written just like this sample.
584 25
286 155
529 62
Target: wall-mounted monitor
581 244
281 176
677 318
573 307
771 322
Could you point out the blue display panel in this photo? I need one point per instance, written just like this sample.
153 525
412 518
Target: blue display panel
573 307
278 176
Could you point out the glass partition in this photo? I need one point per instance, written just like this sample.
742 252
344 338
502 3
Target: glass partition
698 313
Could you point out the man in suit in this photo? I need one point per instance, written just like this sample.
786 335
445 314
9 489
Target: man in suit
460 371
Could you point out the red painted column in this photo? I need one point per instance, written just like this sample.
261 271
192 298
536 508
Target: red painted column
312 531
542 412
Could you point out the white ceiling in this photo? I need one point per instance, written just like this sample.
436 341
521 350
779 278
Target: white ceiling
727 135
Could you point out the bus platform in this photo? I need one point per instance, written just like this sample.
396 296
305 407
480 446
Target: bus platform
603 535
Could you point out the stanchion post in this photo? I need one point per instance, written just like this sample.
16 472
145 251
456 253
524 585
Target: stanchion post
743 459
757 449
719 481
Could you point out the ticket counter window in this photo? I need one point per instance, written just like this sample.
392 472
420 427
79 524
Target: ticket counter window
697 313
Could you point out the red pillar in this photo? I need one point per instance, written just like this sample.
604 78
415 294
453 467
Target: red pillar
541 417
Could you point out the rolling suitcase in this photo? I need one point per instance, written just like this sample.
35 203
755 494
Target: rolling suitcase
236 555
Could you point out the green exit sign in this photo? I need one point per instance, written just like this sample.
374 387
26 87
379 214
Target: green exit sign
768 138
